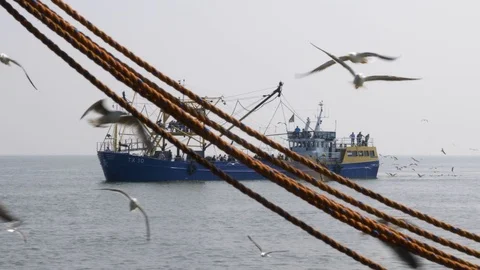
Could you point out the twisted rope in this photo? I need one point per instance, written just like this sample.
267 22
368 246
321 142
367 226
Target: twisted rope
71 62
189 121
268 157
324 171
265 155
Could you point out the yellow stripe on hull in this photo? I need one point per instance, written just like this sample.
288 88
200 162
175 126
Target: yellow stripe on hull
359 154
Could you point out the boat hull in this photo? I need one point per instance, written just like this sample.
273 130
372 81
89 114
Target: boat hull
123 167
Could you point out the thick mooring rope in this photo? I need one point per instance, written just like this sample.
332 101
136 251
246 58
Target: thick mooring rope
189 121
342 180
275 161
281 163
180 145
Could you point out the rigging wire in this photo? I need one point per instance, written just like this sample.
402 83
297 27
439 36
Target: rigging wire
255 91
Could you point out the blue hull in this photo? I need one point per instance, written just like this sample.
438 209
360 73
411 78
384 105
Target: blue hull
123 167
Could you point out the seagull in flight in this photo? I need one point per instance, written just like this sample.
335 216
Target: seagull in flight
5 59
424 120
110 117
420 175
415 160
133 205
359 79
401 251
14 229
6 216
262 253
354 57
443 152
391 174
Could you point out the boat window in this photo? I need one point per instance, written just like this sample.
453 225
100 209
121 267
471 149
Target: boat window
354 153
372 153
360 153
365 153
349 153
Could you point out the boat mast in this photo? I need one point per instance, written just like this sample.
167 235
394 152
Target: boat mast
276 91
319 119
115 146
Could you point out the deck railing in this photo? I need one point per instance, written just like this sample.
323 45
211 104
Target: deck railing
122 146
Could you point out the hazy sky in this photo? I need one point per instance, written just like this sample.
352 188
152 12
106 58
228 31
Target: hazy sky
233 47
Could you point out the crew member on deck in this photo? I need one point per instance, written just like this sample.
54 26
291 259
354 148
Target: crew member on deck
366 139
352 137
359 138
297 131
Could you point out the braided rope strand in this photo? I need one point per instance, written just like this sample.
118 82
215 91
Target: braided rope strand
342 180
164 103
310 179
174 141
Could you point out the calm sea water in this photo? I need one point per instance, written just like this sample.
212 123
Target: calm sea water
204 225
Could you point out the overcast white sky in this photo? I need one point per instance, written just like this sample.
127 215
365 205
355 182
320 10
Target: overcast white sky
232 47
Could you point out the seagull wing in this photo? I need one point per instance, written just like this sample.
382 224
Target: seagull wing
388 78
98 107
337 60
21 233
118 190
255 243
146 221
371 54
405 255
131 120
5 215
322 67
138 206
24 71
275 251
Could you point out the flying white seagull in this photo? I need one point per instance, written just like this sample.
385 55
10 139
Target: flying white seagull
14 229
359 79
133 205
354 57
110 117
262 253
6 60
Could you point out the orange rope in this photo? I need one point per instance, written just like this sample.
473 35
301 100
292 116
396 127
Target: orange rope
342 180
278 162
183 147
94 46
178 113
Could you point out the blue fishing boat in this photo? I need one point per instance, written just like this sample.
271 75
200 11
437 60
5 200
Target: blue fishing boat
124 158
